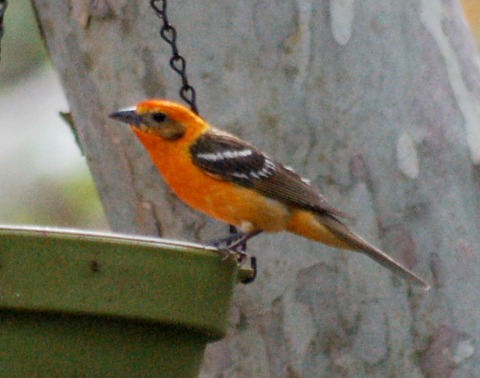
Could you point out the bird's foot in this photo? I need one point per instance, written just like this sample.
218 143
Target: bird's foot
226 252
228 246
236 244
236 241
228 241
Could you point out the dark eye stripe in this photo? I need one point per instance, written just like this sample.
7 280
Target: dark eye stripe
158 117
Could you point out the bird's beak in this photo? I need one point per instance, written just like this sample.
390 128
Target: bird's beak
129 116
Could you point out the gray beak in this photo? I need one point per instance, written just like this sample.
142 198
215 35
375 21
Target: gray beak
127 116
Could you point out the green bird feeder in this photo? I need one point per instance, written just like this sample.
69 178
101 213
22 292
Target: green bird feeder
101 305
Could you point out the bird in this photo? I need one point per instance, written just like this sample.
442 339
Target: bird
232 181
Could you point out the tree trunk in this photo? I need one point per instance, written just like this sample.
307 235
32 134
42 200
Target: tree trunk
376 101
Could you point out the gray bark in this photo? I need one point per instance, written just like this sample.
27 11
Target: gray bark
376 101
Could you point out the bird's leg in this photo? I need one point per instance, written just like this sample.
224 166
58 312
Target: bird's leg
241 242
227 241
253 260
233 230
236 243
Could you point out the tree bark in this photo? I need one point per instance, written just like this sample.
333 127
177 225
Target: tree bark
376 101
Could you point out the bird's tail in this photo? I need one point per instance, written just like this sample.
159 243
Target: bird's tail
357 243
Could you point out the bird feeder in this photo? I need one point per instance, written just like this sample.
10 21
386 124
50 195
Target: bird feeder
85 304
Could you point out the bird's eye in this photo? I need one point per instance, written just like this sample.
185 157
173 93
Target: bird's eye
158 117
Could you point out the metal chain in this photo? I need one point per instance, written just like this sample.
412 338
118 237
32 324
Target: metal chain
3 8
177 62
187 92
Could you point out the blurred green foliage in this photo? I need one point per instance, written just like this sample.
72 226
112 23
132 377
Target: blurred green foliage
54 198
22 48
71 202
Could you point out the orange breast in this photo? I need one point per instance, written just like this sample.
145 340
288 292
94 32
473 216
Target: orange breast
221 200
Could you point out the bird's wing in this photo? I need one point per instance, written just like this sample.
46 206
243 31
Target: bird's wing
228 158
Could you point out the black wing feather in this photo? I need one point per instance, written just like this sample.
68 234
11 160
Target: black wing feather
231 159
237 169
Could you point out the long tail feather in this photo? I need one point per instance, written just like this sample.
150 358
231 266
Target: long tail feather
344 233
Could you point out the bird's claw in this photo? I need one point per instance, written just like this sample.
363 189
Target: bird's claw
240 256
235 245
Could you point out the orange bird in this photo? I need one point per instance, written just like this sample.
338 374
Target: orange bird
232 181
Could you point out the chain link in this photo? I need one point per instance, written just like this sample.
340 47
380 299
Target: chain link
177 62
187 92
3 8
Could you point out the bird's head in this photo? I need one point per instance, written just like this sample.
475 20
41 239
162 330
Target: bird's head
163 119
